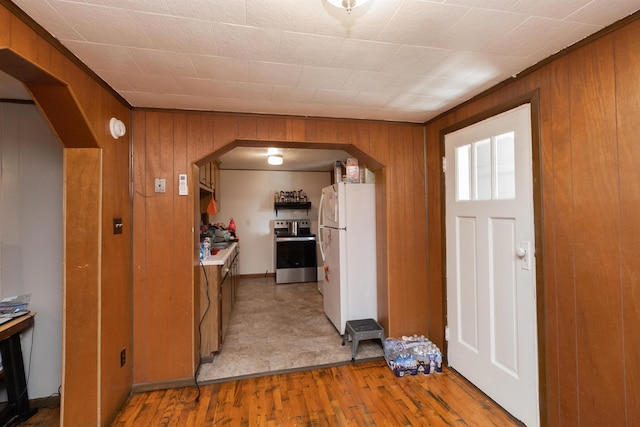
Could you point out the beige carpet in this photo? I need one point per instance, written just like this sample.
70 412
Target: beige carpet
276 328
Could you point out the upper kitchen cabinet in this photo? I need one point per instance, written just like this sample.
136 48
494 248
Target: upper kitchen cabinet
209 185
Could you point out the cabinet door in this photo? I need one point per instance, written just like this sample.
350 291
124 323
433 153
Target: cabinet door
202 171
209 310
215 182
226 304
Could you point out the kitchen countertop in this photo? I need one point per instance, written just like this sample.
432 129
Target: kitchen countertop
221 257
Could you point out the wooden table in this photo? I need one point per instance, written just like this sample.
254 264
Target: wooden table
17 407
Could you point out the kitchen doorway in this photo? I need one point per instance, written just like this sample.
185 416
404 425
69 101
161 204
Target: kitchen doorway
261 225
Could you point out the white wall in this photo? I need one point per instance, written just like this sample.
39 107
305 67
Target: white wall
31 237
247 196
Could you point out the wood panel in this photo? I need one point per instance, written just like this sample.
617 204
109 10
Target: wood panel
595 195
209 311
225 132
82 216
627 47
564 283
116 304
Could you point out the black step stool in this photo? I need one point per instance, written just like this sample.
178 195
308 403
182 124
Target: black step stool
359 330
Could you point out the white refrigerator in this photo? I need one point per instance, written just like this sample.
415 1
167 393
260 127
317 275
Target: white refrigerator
347 241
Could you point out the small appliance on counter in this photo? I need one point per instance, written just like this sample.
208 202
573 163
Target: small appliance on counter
295 251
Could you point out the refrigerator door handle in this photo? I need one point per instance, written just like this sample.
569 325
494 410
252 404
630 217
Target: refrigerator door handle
320 225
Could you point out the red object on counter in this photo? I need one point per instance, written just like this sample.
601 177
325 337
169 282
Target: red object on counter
232 226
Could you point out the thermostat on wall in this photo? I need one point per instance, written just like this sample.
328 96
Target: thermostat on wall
183 190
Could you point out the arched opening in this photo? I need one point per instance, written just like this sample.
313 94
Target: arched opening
258 149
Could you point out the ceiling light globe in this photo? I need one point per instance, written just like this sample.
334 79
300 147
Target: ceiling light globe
275 160
347 4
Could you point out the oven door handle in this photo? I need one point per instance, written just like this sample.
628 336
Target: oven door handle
295 239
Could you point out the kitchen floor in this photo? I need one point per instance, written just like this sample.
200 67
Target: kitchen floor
279 328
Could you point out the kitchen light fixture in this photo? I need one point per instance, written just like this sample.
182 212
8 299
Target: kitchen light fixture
275 159
348 5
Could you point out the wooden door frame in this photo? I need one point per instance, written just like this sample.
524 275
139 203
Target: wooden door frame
532 98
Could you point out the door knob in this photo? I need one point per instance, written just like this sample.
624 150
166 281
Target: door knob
521 252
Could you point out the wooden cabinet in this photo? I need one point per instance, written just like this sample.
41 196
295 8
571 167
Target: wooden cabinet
210 338
218 288
209 185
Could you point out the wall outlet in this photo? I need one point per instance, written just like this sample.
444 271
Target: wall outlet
160 185
117 225
123 356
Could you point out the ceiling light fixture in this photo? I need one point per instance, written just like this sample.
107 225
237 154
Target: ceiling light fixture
348 5
275 159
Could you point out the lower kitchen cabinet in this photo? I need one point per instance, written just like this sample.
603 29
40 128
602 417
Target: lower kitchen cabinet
218 287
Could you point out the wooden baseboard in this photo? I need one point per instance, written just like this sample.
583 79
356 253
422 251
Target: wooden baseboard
163 385
45 402
255 276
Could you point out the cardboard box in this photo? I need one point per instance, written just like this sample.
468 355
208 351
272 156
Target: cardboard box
353 174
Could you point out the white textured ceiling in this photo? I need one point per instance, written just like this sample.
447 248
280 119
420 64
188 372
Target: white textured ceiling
397 60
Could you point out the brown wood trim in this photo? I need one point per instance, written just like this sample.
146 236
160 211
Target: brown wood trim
162 385
533 98
265 115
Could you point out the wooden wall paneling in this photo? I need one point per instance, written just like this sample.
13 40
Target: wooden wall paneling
417 220
140 322
195 217
379 149
545 281
272 128
296 129
627 46
5 27
332 131
162 296
562 366
193 213
225 130
183 245
435 244
248 127
82 187
65 116
596 224
116 306
197 136
359 136
399 248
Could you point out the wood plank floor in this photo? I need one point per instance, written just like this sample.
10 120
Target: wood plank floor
361 394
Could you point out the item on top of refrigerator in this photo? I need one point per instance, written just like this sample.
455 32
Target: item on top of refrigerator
353 171
338 171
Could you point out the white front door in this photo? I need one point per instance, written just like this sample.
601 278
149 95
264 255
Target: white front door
491 310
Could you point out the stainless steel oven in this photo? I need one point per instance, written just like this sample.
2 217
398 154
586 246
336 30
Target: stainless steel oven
295 251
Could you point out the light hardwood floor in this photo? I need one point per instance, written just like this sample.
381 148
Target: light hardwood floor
365 393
